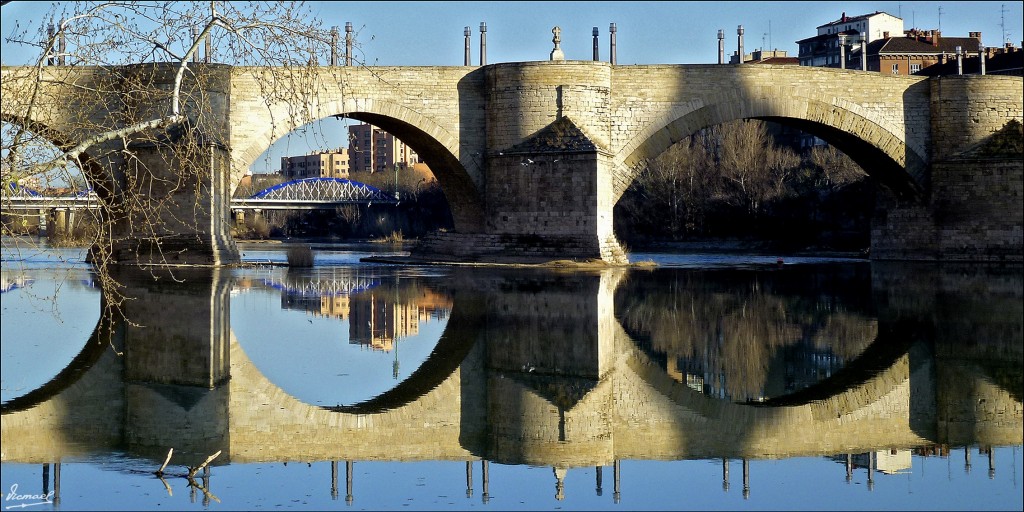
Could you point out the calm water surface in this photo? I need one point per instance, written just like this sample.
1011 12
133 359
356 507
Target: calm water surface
711 382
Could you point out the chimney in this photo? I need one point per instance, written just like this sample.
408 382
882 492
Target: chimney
975 35
843 18
885 35
935 38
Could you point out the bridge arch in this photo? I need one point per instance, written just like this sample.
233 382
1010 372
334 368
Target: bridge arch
861 382
436 146
459 337
878 147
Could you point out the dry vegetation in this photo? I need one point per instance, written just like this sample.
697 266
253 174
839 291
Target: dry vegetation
106 57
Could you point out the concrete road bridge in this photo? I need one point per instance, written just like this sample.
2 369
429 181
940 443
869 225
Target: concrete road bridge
532 156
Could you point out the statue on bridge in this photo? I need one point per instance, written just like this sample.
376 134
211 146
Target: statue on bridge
557 54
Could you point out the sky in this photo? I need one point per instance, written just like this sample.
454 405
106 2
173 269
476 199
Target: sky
431 33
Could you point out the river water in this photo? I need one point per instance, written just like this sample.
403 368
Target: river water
712 381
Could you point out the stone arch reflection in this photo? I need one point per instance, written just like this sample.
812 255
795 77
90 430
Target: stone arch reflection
348 339
749 335
76 304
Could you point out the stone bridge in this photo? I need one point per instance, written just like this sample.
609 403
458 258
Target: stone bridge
532 156
590 396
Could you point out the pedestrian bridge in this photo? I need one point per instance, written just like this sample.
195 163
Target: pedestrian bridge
532 156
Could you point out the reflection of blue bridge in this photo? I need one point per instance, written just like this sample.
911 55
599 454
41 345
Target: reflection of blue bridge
313 193
322 284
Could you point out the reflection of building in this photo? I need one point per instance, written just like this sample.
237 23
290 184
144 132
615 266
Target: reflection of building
787 369
890 462
334 306
379 319
300 302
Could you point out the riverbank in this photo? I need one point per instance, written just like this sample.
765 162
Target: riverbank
743 246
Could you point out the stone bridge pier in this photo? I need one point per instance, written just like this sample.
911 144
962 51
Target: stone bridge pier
548 168
971 209
176 362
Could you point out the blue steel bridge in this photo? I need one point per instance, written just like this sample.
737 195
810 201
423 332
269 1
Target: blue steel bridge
314 194
301 194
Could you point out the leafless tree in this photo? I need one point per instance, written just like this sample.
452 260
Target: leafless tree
684 180
153 67
837 169
751 161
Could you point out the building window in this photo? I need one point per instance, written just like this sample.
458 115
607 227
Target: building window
914 68
895 69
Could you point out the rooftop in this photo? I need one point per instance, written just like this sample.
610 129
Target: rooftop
846 19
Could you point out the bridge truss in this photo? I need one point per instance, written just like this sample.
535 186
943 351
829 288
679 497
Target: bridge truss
314 193
331 282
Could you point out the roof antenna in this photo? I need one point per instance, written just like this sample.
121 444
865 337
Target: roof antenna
1002 22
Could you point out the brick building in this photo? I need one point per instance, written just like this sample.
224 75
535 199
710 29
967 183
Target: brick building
322 164
372 150
918 50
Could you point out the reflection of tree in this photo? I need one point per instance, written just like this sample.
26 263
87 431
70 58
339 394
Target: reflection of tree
740 337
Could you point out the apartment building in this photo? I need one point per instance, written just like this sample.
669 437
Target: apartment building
838 43
375 150
321 164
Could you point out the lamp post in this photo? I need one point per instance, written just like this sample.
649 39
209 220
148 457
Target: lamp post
842 51
613 55
739 41
981 56
348 43
483 43
721 46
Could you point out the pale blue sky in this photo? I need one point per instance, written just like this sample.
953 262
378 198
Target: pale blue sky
431 33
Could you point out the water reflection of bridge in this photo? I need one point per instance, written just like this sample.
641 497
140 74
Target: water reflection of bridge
532 369
319 282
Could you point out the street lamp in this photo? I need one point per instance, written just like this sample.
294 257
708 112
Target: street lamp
842 51
981 56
